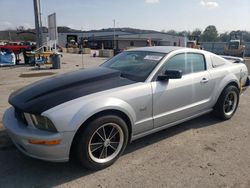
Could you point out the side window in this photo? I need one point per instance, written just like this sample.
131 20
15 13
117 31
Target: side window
175 63
186 62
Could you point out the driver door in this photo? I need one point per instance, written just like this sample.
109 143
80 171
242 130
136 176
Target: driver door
177 99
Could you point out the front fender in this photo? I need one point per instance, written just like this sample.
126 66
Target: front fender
96 106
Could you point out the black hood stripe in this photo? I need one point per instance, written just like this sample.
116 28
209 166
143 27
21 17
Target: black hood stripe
45 94
72 85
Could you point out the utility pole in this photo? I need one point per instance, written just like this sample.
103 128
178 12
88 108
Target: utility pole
9 35
82 48
114 46
38 22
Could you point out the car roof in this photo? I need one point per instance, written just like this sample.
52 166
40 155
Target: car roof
161 49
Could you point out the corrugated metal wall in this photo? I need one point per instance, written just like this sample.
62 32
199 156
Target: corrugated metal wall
218 47
247 48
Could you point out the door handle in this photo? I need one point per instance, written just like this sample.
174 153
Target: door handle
204 80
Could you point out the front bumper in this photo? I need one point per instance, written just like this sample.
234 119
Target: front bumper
20 134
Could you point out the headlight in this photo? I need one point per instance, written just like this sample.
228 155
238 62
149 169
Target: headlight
40 122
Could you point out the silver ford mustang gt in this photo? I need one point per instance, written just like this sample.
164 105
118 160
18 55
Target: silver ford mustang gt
94 113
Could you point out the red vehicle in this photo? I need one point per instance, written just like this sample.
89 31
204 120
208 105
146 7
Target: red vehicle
16 47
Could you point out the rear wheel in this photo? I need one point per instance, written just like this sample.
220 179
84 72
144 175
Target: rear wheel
101 142
227 103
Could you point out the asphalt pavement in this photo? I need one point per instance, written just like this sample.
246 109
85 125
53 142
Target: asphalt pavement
204 152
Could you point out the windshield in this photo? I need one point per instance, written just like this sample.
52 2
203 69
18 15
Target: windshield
135 65
190 44
234 45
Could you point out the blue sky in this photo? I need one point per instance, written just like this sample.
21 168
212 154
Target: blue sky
179 15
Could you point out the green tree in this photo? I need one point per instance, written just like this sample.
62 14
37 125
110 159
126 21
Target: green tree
184 33
171 32
246 36
210 34
224 37
196 32
20 28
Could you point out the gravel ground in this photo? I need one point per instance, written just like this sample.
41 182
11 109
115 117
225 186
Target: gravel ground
203 152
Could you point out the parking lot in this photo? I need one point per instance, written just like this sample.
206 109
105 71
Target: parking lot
203 152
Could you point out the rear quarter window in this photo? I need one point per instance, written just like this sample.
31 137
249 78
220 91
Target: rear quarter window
217 61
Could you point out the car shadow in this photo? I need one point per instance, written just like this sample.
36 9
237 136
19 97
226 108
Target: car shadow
19 170
200 122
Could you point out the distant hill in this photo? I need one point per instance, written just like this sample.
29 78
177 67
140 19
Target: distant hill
20 34
124 29
29 34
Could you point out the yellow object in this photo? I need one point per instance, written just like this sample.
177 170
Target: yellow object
45 55
41 54
237 51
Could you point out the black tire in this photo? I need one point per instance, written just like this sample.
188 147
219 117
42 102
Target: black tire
227 103
92 136
242 54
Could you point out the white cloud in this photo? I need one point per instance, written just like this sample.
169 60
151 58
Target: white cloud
152 1
209 4
28 25
6 25
71 26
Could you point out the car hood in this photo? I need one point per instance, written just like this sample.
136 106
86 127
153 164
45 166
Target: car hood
45 94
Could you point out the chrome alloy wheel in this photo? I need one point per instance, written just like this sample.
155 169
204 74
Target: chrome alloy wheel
230 103
106 143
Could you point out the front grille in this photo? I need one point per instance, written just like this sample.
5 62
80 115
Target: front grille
20 116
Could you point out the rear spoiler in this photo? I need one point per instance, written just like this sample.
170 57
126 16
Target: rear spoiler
233 59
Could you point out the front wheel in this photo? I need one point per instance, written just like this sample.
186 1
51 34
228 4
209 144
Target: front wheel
227 103
101 142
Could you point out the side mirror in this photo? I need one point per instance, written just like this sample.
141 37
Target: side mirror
170 74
